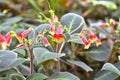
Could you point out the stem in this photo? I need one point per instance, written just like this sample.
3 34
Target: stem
60 50
58 60
31 60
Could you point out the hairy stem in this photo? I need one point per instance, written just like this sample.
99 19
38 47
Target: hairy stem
31 60
59 51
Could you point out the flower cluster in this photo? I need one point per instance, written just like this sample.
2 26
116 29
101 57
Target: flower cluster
92 38
5 40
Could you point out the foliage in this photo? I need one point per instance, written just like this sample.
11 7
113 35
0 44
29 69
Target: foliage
39 42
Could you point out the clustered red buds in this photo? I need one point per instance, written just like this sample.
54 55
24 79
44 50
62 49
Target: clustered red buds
92 38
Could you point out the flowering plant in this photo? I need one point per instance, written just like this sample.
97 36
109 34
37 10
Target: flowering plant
45 51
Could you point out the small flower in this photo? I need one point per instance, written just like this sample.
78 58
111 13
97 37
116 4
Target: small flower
112 22
5 40
58 36
92 36
52 27
86 42
98 42
21 36
45 41
104 25
55 18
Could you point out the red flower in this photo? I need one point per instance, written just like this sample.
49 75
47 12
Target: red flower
21 36
98 42
5 40
58 36
45 41
86 42
92 36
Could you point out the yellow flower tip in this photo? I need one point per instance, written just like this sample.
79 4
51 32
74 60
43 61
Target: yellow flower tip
4 46
87 46
12 33
58 40
98 42
31 29
93 39
52 32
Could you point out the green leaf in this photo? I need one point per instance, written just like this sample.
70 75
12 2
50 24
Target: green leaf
12 20
108 4
16 76
6 59
107 74
81 64
17 62
34 5
20 51
66 75
76 39
39 29
111 67
24 69
99 53
2 78
42 54
37 76
60 79
74 22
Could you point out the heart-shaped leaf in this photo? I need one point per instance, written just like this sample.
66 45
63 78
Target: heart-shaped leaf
74 22
42 54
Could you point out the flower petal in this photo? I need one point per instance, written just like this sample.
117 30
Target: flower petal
2 38
8 38
45 41
92 36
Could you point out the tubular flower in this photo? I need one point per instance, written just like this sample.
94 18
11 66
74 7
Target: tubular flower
86 42
98 42
21 36
112 22
58 36
5 40
55 17
45 41
92 36
52 28
104 25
